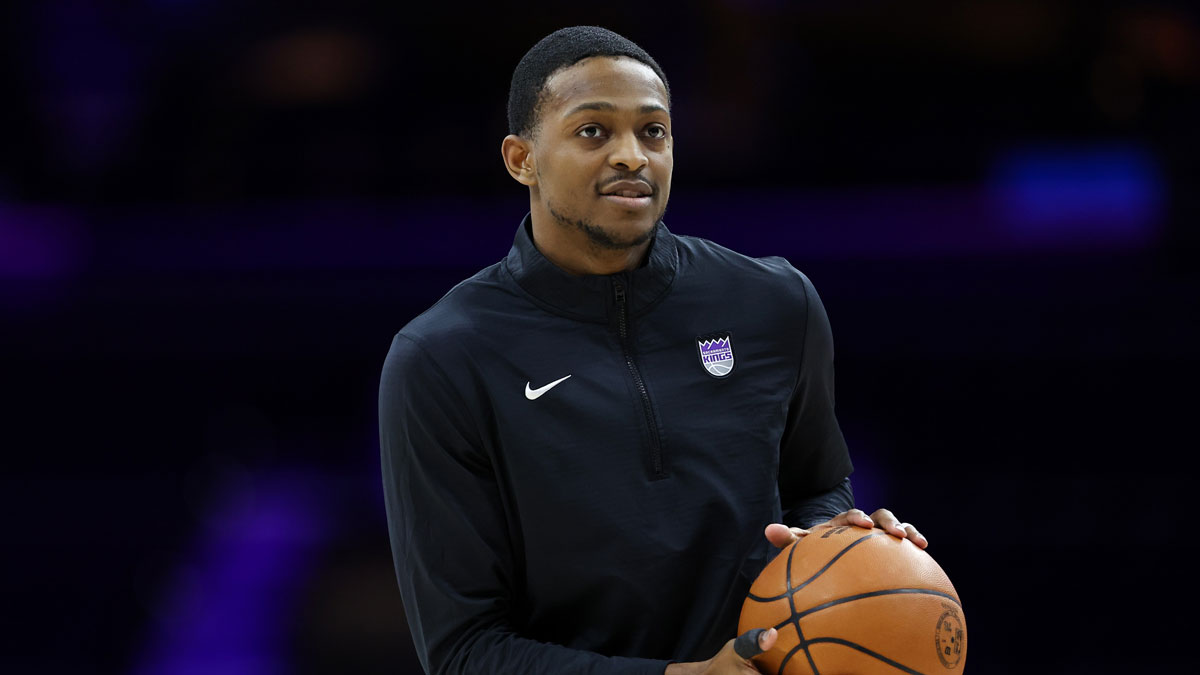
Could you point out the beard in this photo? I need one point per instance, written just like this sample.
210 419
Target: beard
602 238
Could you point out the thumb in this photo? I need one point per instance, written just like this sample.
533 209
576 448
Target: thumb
781 535
754 642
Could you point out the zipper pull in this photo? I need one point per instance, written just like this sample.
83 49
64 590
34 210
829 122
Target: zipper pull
619 289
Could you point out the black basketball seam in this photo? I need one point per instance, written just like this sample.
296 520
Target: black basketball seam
860 596
868 652
787 579
872 594
818 573
788 657
795 620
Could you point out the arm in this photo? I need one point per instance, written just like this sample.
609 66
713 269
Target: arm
814 453
450 541
814 463
822 506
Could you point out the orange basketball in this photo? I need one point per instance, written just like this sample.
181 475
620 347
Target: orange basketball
856 601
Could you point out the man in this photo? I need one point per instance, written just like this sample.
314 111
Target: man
582 443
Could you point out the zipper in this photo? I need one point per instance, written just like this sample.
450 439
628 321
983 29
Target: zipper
647 408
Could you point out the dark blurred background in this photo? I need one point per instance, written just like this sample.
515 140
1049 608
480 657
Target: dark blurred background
214 215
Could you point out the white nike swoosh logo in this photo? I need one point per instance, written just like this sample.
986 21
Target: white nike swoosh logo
532 394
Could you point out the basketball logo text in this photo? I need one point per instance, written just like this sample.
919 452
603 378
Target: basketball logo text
836 530
949 638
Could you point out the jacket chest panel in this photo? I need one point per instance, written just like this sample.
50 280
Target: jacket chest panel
563 408
571 418
732 423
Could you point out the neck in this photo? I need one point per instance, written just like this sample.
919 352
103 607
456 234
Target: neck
572 250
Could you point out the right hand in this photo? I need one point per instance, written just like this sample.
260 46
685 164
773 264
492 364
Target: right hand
726 662
781 535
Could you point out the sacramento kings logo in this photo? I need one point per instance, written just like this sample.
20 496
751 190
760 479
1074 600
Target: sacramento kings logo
716 353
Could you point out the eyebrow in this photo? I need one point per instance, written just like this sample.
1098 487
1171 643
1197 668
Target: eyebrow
608 107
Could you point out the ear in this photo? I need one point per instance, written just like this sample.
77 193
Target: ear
518 159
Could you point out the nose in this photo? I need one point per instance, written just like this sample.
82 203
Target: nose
627 154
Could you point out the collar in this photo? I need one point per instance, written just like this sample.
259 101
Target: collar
591 297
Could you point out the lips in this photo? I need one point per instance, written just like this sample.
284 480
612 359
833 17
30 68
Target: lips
629 188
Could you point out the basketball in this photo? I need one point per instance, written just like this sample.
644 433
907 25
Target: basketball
856 601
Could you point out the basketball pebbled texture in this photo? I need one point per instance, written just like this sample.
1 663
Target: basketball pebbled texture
856 601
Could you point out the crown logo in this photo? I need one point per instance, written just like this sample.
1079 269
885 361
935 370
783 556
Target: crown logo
716 353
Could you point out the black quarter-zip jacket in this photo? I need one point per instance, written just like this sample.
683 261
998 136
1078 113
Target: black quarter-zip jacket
570 489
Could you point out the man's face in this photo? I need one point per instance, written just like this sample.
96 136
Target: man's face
602 151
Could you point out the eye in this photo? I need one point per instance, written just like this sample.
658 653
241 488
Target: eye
656 131
590 131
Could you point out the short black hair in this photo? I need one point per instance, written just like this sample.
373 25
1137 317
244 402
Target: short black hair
562 49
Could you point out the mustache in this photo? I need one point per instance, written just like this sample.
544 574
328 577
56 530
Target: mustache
631 177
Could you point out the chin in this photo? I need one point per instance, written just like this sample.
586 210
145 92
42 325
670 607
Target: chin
621 235
615 231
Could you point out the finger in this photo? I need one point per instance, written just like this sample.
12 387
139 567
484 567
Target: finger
914 536
781 535
888 522
754 642
746 645
852 517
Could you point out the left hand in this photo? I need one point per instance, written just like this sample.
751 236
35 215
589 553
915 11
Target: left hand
781 535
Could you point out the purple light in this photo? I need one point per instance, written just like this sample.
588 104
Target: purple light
1103 193
324 236
876 222
39 243
1088 201
227 609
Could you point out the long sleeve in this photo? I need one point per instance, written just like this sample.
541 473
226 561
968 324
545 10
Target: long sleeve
814 461
821 507
450 542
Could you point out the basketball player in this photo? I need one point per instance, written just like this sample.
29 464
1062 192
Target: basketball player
583 443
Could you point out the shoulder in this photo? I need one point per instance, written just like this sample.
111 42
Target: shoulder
429 350
709 262
460 313
426 355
